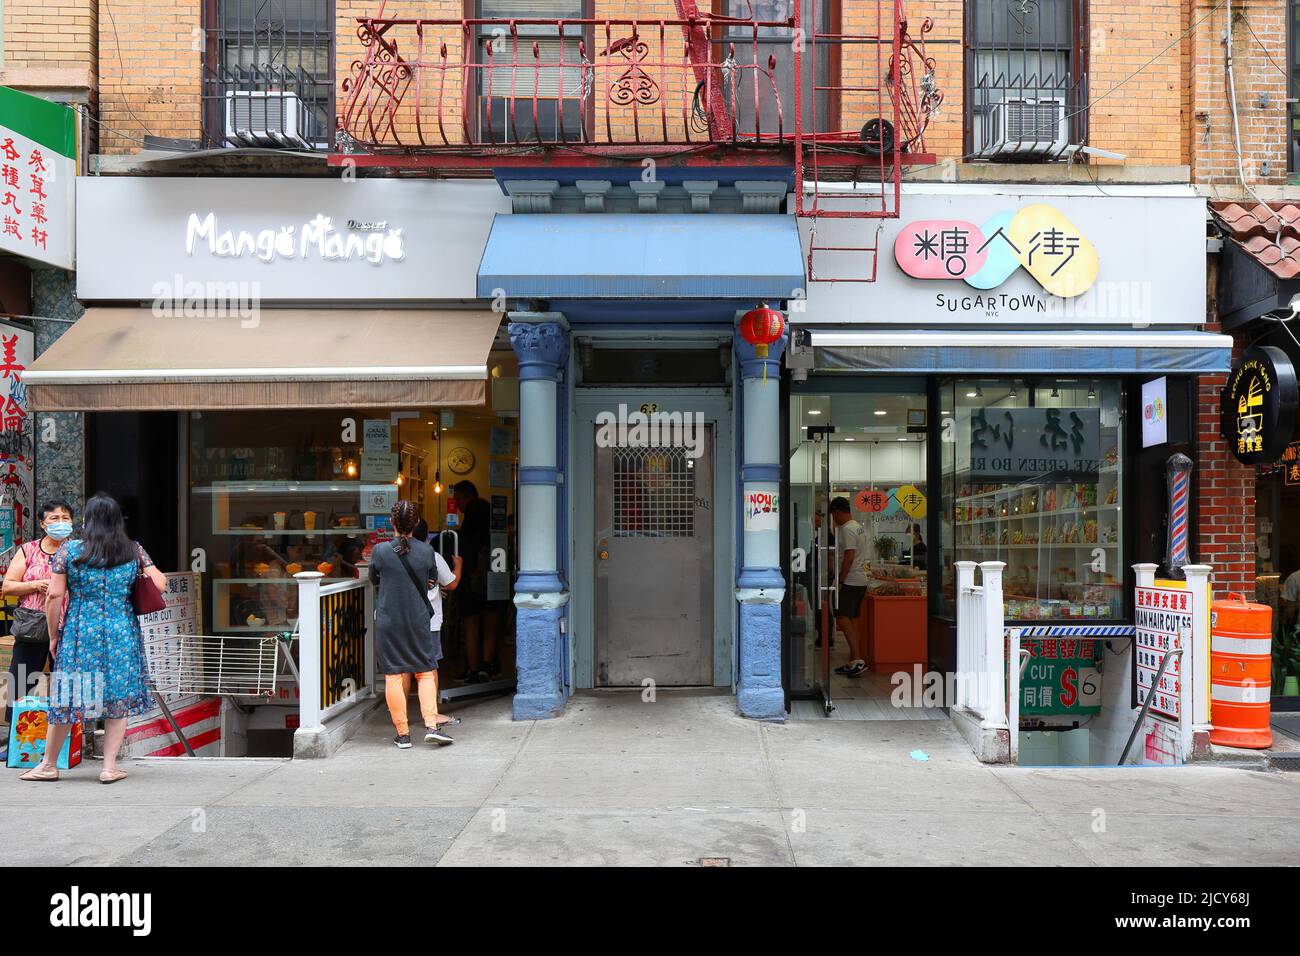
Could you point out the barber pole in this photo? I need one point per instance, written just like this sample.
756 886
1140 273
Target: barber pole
1179 471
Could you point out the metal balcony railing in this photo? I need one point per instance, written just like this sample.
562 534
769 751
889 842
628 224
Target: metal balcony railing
481 87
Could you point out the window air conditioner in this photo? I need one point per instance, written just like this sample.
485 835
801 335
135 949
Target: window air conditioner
1025 126
266 118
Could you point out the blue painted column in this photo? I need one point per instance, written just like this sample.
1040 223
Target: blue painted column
541 343
760 586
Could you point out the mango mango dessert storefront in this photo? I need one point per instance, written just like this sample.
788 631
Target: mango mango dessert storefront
280 397
1011 388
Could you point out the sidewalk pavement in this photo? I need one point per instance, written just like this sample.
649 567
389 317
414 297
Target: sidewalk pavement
618 781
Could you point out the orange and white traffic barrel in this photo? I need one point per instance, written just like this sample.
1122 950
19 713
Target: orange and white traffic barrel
1241 660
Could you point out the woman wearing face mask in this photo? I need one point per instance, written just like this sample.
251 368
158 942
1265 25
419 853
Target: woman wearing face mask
100 668
28 579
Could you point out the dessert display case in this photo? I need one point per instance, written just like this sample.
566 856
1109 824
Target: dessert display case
264 532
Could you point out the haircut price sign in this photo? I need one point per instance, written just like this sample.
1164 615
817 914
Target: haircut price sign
1163 619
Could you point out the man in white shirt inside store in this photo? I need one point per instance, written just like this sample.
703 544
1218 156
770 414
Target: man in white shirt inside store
852 577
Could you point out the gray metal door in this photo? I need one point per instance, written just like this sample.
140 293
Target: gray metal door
654 565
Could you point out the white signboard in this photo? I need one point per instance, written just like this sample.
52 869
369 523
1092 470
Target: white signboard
146 238
1163 619
378 499
1150 258
1155 412
377 436
379 467
17 434
163 632
36 199
762 511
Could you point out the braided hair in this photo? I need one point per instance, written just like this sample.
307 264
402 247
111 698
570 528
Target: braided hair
405 517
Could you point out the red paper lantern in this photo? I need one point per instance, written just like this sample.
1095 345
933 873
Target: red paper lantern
761 327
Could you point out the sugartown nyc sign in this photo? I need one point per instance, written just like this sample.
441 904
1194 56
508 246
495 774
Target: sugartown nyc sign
1037 238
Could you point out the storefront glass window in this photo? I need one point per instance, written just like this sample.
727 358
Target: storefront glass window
1277 562
1032 475
271 495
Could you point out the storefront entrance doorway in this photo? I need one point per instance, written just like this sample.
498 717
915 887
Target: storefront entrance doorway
654 559
858 464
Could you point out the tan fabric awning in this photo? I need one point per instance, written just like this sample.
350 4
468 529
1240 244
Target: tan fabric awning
133 359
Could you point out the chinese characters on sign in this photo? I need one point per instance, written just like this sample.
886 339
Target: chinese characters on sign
1259 404
164 631
17 434
1031 442
1037 238
37 175
1060 676
1163 620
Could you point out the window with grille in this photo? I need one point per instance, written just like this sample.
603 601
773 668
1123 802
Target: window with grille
778 42
509 75
654 493
1026 94
268 76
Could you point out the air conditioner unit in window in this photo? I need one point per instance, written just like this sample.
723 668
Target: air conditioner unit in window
267 118
1019 127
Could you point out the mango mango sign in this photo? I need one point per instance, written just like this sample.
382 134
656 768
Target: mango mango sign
1037 238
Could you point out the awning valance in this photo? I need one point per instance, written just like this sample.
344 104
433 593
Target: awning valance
1023 352
622 256
134 359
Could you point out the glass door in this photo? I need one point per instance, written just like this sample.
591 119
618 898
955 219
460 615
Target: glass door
857 454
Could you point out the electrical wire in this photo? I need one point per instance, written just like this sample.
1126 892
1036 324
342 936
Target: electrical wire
122 63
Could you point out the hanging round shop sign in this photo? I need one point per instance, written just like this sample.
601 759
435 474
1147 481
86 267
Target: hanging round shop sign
1258 412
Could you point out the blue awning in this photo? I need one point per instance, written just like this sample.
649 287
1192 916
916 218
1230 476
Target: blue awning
1117 352
628 256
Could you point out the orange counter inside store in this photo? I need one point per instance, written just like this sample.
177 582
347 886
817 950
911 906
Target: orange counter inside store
893 622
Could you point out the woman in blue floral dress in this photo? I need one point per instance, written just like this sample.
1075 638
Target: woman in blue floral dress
100 670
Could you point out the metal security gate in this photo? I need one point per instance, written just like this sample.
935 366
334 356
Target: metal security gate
654 614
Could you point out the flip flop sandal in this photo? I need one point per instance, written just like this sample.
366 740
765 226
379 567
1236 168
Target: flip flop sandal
113 777
40 776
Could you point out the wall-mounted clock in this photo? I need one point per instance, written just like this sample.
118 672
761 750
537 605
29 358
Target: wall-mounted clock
460 460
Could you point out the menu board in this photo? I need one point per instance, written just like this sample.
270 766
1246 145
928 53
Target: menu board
164 633
1163 619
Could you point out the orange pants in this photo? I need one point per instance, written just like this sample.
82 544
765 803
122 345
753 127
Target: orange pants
397 686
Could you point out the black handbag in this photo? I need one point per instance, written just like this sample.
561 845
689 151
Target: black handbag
29 626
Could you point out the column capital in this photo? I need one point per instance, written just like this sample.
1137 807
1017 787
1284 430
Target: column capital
541 342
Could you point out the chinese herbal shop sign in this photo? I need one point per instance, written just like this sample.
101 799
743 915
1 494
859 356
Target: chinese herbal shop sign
1163 619
38 170
1060 677
17 435
1258 412
1020 443
1037 238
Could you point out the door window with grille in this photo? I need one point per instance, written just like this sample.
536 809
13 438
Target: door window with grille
268 73
654 493
523 97
1025 80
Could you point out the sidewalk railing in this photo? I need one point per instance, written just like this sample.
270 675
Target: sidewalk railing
981 646
336 645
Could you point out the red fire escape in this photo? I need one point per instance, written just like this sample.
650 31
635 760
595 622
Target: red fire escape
460 97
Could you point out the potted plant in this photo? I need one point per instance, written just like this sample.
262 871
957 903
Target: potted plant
886 548
1286 663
